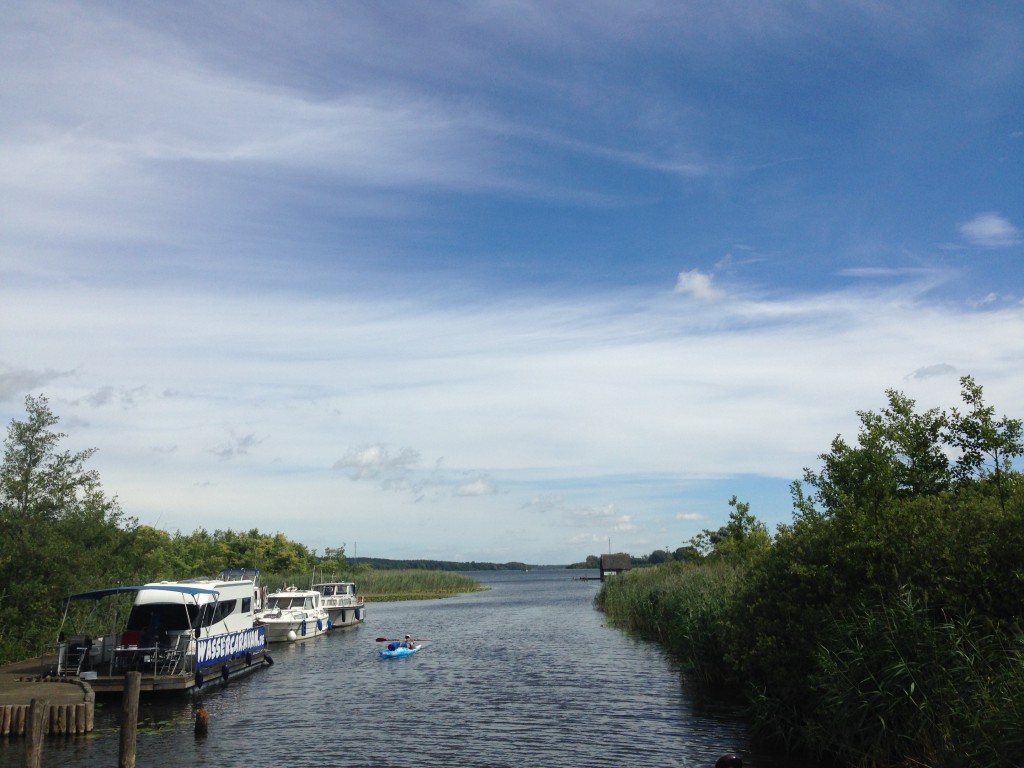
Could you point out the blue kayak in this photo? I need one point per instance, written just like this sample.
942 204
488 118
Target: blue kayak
398 650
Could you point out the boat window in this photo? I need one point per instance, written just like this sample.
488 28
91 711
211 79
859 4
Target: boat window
169 617
214 612
246 604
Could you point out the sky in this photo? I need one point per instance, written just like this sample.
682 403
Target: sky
507 280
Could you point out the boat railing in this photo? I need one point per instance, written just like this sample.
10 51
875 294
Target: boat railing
167 656
173 659
83 653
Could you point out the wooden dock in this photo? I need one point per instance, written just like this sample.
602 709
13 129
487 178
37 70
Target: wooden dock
71 705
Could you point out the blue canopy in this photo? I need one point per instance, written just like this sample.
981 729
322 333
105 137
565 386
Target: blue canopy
97 594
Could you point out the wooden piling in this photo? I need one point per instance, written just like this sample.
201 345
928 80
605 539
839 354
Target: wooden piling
202 722
35 730
129 719
90 710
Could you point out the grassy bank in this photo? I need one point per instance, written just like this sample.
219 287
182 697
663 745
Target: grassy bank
388 586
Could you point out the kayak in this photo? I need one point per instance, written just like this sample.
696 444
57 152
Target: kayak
401 650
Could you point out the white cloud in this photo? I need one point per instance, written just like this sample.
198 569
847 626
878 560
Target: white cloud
928 371
690 516
990 230
698 285
373 461
480 487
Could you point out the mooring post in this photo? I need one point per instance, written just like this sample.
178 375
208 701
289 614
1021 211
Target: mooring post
202 722
35 731
129 718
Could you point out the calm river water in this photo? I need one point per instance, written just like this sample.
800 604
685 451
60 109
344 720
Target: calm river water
524 675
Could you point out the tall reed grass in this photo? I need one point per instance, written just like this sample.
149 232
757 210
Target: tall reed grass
683 607
896 687
385 586
890 687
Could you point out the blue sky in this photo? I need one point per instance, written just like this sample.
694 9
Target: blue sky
500 280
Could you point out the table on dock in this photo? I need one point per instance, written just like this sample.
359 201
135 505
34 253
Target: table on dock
71 702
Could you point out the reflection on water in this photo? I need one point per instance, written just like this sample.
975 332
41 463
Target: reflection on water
525 674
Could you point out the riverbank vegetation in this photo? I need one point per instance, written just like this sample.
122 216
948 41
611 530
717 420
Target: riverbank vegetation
885 625
60 534
385 586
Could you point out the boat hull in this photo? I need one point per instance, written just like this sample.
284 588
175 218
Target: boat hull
294 631
346 616
211 675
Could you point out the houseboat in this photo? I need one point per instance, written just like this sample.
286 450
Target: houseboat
294 614
343 606
178 634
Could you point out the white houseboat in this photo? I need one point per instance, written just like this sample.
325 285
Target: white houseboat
343 606
294 614
178 634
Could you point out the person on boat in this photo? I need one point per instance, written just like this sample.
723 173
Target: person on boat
409 642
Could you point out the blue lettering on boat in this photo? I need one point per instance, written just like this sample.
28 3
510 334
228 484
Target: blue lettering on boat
214 650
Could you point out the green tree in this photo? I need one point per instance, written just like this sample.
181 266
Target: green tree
59 532
986 446
924 506
742 538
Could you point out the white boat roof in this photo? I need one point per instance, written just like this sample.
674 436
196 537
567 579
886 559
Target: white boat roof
98 594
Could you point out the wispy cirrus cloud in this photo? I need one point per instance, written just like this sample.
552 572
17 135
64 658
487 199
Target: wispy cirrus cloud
990 230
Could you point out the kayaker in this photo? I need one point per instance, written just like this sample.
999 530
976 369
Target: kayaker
409 642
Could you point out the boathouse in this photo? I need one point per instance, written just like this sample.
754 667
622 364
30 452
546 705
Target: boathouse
613 565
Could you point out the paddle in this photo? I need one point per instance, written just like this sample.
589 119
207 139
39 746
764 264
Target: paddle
397 640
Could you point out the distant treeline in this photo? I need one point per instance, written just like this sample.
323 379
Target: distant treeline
384 564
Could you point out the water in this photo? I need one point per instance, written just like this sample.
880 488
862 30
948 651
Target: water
524 675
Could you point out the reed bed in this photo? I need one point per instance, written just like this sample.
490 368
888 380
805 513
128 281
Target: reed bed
891 685
390 586
894 684
683 607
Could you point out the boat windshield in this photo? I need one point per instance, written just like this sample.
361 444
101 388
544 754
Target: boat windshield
170 617
290 602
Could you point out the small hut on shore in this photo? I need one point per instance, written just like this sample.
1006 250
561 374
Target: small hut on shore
613 565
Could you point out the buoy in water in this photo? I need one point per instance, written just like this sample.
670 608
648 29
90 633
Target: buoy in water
729 761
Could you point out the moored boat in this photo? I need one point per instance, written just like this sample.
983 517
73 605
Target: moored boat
344 607
294 614
178 635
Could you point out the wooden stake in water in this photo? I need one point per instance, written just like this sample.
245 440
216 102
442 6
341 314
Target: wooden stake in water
35 730
129 718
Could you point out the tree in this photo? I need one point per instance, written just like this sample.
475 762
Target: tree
900 453
925 506
59 532
986 446
740 539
